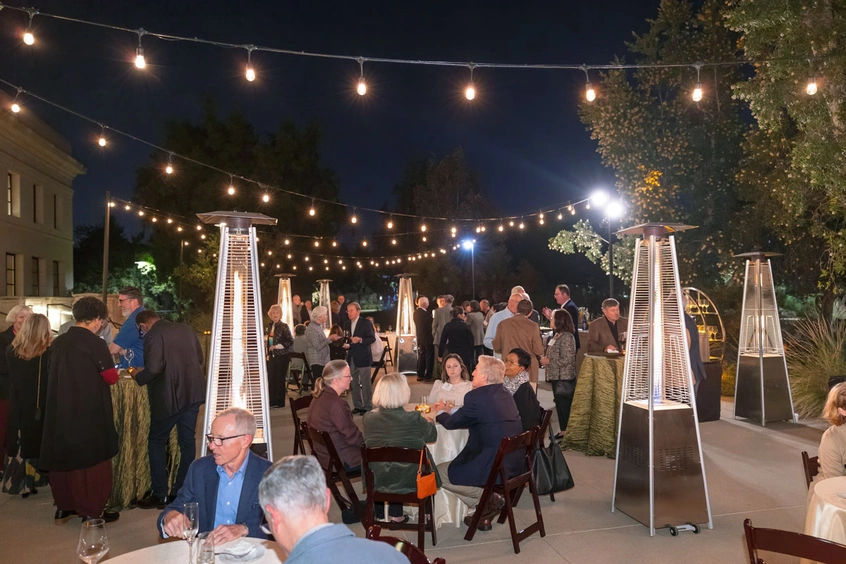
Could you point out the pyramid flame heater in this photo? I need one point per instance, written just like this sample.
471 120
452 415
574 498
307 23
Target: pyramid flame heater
237 374
404 343
761 390
324 298
659 476
284 297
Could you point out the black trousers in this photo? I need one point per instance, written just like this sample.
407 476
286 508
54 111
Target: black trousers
316 372
186 423
562 394
425 360
277 373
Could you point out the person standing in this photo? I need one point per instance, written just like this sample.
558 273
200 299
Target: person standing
565 302
425 340
519 332
318 343
28 360
476 321
360 358
607 333
129 337
441 317
280 345
176 386
343 318
457 338
560 363
299 311
16 316
79 438
509 311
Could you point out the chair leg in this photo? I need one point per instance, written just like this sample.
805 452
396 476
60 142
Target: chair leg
508 512
421 525
477 516
533 489
431 505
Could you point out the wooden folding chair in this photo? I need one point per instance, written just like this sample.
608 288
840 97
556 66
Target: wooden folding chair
540 438
425 507
511 488
299 404
299 374
414 554
811 465
379 365
387 350
792 544
334 469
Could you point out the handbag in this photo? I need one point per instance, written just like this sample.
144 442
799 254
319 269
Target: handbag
550 470
427 485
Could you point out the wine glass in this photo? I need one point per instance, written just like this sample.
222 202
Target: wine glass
93 542
205 548
190 524
129 354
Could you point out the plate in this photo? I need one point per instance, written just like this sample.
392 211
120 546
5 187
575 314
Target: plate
255 554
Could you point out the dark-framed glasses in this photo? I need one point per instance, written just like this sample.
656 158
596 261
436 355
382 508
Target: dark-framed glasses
218 441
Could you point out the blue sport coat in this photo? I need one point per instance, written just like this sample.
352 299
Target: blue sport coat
201 486
359 353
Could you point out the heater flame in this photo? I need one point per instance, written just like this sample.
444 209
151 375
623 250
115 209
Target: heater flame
238 395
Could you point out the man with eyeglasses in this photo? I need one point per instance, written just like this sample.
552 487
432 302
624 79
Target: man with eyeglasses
131 303
224 483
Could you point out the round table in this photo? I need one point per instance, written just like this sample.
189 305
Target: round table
826 515
176 552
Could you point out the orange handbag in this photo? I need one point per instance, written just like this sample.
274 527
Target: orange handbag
427 485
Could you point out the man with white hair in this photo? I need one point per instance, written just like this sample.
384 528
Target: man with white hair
497 318
295 500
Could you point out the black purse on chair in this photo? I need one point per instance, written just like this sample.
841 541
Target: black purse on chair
550 469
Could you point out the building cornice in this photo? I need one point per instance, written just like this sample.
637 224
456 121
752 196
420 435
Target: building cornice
61 166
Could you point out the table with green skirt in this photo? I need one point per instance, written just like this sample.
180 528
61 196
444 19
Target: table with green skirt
131 465
592 427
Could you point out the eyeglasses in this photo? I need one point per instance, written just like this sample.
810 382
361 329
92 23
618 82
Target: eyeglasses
218 441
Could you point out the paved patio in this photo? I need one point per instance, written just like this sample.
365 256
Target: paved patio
752 472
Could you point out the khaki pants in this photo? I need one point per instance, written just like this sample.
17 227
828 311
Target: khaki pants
469 495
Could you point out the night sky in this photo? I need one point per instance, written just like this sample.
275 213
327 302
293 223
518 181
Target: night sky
522 134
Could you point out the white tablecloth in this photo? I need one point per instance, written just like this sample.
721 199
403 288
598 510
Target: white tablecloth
176 552
826 516
448 508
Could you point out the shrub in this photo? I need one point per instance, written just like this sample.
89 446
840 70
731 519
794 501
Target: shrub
814 353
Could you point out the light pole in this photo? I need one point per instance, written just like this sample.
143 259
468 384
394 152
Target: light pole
470 245
612 209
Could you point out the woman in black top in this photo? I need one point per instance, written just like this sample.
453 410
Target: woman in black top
280 344
457 338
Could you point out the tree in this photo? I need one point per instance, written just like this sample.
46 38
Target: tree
88 256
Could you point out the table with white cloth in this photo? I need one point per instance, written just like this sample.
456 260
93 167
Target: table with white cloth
826 515
176 552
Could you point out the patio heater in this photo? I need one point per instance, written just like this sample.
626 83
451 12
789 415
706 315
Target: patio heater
325 299
283 298
659 476
761 389
237 373
404 343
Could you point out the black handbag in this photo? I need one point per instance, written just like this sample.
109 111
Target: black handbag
550 470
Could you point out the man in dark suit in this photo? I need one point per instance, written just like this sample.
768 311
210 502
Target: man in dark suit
490 414
425 340
360 358
224 483
565 302
343 318
608 333
173 375
441 317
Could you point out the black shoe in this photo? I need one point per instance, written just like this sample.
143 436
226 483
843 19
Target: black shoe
63 517
153 502
107 516
348 516
484 524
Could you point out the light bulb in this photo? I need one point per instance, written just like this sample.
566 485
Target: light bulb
311 211
590 93
231 190
362 87
169 220
390 224
251 74
393 241
16 108
697 92
522 225
169 168
470 92
101 141
354 219
364 243
153 219
511 223
811 89
501 228
317 243
560 216
287 241
265 198
572 210
141 213
140 62
199 228
423 228
29 38
334 243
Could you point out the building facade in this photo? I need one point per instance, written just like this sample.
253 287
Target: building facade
36 210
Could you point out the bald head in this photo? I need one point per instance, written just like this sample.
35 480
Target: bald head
513 301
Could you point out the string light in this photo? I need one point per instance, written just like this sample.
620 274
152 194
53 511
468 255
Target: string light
511 223
316 244
353 219
697 92
334 243
140 61
364 243
141 213
560 216
590 93
362 86
251 73
811 89
501 228
470 91
169 167
393 241
102 140
423 228
391 222
28 36
231 189
311 210
265 198
522 225
424 238
127 207
287 241
169 220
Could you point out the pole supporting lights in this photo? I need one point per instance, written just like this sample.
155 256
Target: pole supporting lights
470 245
611 209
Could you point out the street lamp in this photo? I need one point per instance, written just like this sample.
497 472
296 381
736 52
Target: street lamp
470 245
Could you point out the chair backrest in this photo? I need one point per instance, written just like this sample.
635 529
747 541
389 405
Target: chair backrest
544 427
299 404
414 554
389 454
301 356
811 465
793 544
508 445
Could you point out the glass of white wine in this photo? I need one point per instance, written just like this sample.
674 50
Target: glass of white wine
93 541
190 524
205 548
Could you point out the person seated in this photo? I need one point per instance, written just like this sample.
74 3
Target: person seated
336 348
517 383
607 334
295 499
490 415
455 385
832 455
223 483
331 414
392 426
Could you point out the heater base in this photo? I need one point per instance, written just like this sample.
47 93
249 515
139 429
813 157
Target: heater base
762 373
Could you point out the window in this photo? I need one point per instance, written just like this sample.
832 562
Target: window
37 204
58 212
57 289
10 274
36 276
8 194
13 194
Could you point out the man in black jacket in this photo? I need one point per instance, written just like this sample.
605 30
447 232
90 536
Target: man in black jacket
425 340
360 358
565 302
174 378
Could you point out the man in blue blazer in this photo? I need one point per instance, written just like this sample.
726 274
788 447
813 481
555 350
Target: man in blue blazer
296 501
490 414
224 483
360 358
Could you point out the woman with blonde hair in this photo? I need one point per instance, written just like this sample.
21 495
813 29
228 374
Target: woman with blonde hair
832 454
331 414
16 317
28 361
280 345
390 425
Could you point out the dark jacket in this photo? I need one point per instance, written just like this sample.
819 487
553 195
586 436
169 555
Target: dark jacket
423 325
79 427
173 373
359 353
397 428
281 336
573 309
6 338
201 485
331 414
696 364
457 338
490 414
27 389
528 407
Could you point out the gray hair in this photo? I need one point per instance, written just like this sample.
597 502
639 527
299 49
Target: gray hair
293 485
493 368
15 311
245 422
319 312
391 391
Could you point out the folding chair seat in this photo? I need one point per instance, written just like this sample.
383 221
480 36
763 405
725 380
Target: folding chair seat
297 371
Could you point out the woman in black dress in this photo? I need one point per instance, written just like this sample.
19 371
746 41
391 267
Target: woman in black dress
280 344
457 338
